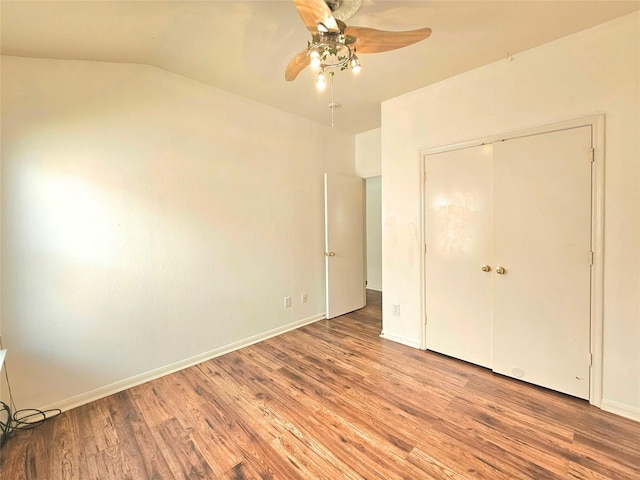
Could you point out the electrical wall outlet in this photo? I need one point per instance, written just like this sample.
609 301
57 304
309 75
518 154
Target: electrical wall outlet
396 310
303 298
287 302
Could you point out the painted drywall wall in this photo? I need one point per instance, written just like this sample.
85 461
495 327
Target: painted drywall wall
595 71
373 207
149 219
369 153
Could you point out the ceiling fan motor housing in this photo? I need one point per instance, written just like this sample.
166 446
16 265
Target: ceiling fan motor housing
343 9
333 4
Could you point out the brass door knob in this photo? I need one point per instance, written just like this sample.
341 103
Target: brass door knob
329 254
486 268
500 271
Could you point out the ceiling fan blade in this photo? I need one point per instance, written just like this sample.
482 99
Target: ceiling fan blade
296 65
314 12
370 40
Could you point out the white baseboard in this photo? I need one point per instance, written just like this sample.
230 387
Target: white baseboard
409 342
127 383
621 409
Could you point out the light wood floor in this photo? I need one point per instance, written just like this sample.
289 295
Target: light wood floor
330 400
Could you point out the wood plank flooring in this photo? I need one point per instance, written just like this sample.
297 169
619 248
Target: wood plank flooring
331 400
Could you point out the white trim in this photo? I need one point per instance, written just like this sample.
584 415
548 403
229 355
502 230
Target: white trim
423 249
326 246
3 353
597 124
597 271
409 342
632 413
130 382
591 120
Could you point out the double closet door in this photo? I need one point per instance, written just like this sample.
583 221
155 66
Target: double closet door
508 257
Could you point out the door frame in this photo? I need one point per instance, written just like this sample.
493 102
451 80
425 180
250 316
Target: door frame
597 124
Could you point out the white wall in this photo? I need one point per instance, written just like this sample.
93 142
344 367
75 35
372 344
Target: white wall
374 233
149 220
369 153
595 71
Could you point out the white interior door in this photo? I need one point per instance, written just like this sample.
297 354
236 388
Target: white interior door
344 244
542 239
458 196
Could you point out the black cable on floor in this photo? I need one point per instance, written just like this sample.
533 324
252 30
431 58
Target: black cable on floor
23 419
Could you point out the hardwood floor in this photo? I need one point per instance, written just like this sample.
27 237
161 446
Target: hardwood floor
331 400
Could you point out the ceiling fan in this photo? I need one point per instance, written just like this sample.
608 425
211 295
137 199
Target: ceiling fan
334 45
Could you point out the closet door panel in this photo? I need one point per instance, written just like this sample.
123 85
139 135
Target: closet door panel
458 243
542 240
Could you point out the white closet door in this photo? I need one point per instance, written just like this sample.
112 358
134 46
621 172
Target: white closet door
542 238
458 243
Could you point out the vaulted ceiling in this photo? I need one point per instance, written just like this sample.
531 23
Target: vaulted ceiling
244 46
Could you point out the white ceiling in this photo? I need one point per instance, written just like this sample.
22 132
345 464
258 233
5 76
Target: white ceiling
244 46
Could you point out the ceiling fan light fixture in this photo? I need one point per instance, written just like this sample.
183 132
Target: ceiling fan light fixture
335 42
355 64
316 61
